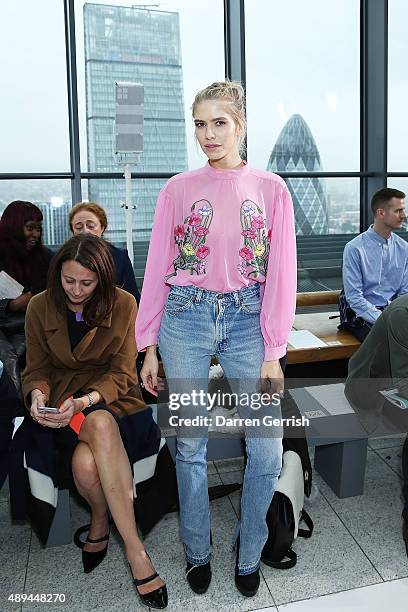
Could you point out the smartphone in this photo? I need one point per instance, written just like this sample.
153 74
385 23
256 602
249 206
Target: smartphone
48 409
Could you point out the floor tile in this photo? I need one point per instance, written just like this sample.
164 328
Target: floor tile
229 465
58 570
229 478
222 594
328 562
392 457
211 469
376 598
14 550
387 442
4 492
374 519
104 597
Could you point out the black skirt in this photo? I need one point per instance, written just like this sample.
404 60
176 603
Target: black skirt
41 461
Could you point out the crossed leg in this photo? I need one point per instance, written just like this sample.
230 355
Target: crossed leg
104 478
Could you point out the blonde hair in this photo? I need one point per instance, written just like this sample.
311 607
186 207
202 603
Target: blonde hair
231 92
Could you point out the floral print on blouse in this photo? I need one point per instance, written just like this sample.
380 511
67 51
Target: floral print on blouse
190 238
254 253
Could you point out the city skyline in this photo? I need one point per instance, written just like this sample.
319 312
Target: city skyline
133 45
292 71
296 151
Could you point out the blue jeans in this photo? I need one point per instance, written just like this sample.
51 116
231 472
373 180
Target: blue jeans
197 324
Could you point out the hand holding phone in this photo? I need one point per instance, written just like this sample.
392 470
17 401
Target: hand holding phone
49 409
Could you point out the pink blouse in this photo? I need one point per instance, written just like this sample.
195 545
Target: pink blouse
223 230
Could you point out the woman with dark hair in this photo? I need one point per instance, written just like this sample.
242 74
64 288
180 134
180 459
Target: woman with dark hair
26 260
86 410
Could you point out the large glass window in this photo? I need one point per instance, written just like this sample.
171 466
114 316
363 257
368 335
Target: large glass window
53 197
397 86
320 256
144 196
303 84
34 115
303 111
162 47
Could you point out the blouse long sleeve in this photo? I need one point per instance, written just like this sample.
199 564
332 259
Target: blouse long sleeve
159 260
279 297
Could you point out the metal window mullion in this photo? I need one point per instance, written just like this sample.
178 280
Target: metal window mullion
69 16
373 103
234 32
234 43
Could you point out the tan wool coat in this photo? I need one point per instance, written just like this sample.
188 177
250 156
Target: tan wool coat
104 360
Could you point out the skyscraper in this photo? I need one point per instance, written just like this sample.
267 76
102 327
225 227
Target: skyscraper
134 44
296 151
55 221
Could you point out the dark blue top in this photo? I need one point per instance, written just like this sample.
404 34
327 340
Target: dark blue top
125 276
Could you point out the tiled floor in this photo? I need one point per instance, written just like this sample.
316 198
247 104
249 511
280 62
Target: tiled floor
354 561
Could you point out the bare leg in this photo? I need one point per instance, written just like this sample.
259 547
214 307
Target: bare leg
101 433
89 486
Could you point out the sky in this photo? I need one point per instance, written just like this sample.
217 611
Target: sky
301 56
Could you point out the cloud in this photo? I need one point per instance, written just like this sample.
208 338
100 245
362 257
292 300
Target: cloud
331 99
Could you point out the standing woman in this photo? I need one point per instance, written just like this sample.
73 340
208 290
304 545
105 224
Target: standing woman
221 280
81 354
24 258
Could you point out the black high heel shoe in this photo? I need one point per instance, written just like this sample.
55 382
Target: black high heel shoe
155 599
91 560
247 584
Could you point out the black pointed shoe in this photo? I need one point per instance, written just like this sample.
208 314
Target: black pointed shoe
198 577
247 584
158 598
90 560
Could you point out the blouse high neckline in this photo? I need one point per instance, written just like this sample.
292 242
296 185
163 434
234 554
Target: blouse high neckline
229 173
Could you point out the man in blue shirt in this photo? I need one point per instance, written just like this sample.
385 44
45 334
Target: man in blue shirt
375 265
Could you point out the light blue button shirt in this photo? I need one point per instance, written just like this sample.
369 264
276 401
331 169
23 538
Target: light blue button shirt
375 271
1 368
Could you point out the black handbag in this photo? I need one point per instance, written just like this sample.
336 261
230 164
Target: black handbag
285 513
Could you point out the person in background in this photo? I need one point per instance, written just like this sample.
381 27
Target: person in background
10 406
381 363
375 265
220 280
26 260
90 218
81 353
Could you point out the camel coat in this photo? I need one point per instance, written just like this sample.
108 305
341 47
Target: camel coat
104 360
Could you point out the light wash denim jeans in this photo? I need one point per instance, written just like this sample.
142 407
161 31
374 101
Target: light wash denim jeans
197 324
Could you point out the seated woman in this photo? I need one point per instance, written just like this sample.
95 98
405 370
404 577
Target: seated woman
10 405
26 260
81 354
90 218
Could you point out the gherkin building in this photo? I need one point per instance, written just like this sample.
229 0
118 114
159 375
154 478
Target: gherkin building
296 151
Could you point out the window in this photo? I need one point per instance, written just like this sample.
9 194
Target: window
303 66
303 111
34 107
162 48
52 197
397 87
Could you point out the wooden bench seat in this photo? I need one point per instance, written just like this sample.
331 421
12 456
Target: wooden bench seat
340 344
